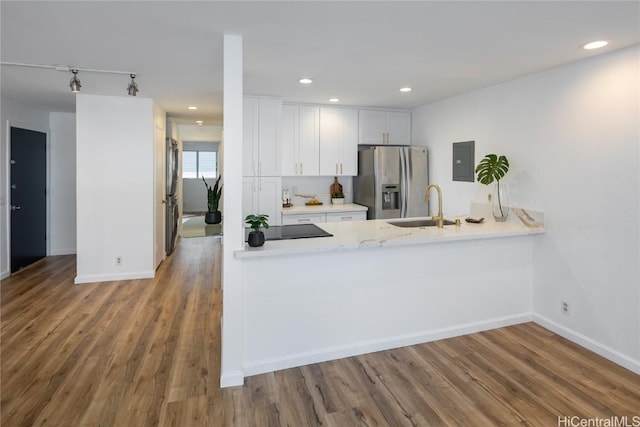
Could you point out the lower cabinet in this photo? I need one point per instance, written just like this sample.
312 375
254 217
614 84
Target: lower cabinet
346 216
262 195
323 217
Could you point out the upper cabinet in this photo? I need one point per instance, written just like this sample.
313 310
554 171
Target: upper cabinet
338 141
384 127
300 140
261 136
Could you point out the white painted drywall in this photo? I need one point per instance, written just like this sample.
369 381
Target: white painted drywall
25 116
115 187
572 135
62 187
231 358
204 133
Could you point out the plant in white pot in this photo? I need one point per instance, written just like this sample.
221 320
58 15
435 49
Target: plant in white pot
493 168
337 199
213 215
256 222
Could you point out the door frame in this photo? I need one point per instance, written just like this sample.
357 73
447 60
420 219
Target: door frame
7 177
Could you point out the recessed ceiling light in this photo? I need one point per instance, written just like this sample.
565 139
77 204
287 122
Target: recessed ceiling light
306 81
199 122
192 107
405 89
595 45
334 99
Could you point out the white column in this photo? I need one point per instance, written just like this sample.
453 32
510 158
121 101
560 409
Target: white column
231 371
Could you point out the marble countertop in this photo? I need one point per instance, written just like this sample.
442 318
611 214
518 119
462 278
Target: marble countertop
378 233
326 208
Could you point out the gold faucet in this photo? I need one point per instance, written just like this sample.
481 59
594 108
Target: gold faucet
440 217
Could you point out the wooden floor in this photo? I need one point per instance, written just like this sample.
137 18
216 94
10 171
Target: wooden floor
147 353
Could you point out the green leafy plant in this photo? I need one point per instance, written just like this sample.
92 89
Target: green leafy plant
213 194
257 221
493 168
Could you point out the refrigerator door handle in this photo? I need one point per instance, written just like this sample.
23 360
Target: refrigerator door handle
403 183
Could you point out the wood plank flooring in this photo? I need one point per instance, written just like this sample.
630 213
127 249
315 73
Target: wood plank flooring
147 353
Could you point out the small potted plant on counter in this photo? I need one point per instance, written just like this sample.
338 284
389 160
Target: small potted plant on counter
337 199
256 236
213 216
493 168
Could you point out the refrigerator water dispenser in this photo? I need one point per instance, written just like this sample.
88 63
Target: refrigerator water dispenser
390 197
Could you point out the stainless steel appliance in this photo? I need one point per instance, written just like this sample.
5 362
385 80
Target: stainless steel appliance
173 213
392 181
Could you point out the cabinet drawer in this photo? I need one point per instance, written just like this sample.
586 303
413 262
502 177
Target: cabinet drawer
346 216
302 219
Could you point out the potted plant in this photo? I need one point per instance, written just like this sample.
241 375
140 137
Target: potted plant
493 168
337 199
213 216
256 237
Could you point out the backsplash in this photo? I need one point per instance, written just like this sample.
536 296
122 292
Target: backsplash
317 186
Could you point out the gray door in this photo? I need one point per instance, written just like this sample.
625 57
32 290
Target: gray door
389 185
28 179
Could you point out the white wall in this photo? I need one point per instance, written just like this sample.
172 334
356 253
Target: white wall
16 114
204 133
572 135
318 185
62 179
115 187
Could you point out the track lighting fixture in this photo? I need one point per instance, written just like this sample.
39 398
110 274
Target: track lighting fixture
74 84
132 89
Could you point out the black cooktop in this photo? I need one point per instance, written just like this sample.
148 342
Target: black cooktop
296 231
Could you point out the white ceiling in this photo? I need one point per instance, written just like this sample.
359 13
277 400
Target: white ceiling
361 52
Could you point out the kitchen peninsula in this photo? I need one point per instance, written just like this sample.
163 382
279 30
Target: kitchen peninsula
375 286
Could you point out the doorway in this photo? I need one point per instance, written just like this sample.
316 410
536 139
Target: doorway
28 178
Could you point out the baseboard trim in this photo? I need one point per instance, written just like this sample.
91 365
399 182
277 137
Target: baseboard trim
588 343
93 278
338 352
5 274
63 251
232 379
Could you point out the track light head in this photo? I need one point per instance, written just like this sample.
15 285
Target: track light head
74 84
132 89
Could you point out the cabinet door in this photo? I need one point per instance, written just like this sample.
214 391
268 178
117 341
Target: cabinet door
349 143
249 196
398 128
330 139
290 140
249 137
338 141
303 219
371 127
309 143
270 199
346 216
269 137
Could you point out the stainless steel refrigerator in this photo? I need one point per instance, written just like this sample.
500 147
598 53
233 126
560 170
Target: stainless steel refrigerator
392 181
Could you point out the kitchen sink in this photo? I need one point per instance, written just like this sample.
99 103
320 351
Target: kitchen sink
418 223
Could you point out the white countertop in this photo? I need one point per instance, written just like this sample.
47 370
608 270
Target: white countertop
378 233
325 208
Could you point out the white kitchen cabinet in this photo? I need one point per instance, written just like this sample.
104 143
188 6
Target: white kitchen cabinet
303 219
377 127
261 136
346 216
262 195
338 141
300 140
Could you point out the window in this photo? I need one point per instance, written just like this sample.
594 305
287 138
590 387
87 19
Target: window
198 164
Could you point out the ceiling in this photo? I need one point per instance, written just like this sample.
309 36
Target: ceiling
361 52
